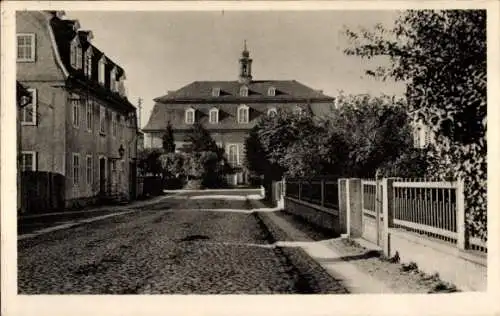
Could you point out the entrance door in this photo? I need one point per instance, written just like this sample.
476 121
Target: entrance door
102 176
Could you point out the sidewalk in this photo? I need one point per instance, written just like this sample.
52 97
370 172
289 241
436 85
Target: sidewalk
38 224
355 280
99 208
358 265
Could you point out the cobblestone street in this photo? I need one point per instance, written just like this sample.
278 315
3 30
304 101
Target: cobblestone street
183 244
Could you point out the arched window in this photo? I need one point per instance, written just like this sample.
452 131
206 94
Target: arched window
272 112
88 62
102 69
190 118
76 57
271 91
243 112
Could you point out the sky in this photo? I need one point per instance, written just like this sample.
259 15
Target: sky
162 51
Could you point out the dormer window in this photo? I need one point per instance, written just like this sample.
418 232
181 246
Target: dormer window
271 92
244 91
243 114
102 69
216 92
189 116
112 79
214 116
272 112
88 62
76 54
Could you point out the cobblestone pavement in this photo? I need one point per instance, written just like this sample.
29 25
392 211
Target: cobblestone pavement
178 246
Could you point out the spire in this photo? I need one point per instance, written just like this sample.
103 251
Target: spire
245 65
245 50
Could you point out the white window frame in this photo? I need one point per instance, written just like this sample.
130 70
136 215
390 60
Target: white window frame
216 111
229 146
244 91
102 70
243 107
187 116
89 114
75 110
34 109
89 169
114 125
216 92
32 46
76 176
271 91
112 79
272 110
88 62
76 57
33 160
102 120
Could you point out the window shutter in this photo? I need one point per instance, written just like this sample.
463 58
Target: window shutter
34 106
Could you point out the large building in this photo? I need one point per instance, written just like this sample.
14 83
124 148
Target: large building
229 109
80 127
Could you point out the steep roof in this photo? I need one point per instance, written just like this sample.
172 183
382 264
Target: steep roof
290 90
175 114
65 32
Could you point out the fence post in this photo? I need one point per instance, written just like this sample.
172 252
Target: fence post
388 210
462 238
341 185
354 208
322 192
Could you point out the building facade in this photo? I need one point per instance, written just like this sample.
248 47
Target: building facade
229 109
80 124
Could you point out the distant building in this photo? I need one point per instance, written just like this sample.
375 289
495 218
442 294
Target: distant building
80 125
229 109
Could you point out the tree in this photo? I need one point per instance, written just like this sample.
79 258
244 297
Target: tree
149 162
200 139
441 56
168 139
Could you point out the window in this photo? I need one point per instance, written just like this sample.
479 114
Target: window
28 161
215 92
29 112
88 63
271 91
243 114
102 120
119 123
89 111
76 54
214 116
112 80
89 169
75 106
244 91
232 153
272 112
190 116
76 168
102 68
114 125
25 47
